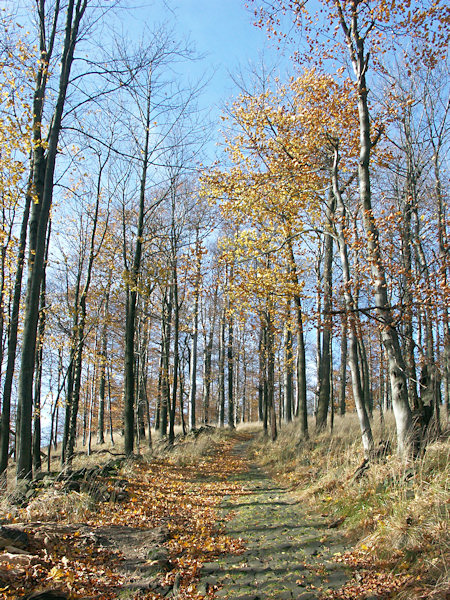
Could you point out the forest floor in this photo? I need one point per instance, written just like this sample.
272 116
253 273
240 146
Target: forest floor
218 526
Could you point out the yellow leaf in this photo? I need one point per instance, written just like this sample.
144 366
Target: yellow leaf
56 573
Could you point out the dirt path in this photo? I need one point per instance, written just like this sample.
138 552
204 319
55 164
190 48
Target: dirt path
288 549
216 527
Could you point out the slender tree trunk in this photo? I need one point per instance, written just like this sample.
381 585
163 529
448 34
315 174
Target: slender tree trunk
5 423
160 372
176 327
271 376
165 378
110 412
222 370
325 360
37 463
343 369
129 378
319 334
443 256
331 387
81 324
430 391
103 359
301 398
43 175
351 308
261 375
364 367
396 364
194 344
71 368
407 312
288 368
244 415
230 365
181 397
207 361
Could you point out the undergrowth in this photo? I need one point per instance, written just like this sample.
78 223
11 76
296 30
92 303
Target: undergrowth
395 511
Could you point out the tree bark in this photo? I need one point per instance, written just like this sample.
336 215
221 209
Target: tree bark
230 366
325 357
132 285
222 370
176 327
343 367
37 463
397 369
301 397
43 175
288 368
5 424
166 343
194 339
207 360
351 308
103 359
271 374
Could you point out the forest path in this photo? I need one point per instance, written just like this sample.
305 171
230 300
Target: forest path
288 549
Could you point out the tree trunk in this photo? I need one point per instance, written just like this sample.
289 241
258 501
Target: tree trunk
131 288
271 376
43 174
37 463
325 357
396 364
81 324
222 370
364 366
176 327
194 341
351 308
343 368
288 368
230 365
5 423
103 359
207 361
301 398
261 374
165 377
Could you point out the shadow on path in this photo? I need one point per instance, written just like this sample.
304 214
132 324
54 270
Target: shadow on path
288 552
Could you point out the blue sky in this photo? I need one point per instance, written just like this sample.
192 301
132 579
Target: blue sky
220 30
224 31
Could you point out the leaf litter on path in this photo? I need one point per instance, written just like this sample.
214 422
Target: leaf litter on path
223 529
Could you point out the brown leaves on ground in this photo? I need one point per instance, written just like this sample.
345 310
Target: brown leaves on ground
183 499
372 576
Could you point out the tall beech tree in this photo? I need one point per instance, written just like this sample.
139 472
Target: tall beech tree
44 152
162 106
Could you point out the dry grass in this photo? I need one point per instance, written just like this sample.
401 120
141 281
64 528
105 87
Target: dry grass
52 505
190 449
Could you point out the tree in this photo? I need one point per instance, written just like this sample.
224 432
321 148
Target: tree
80 314
44 153
362 26
15 128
